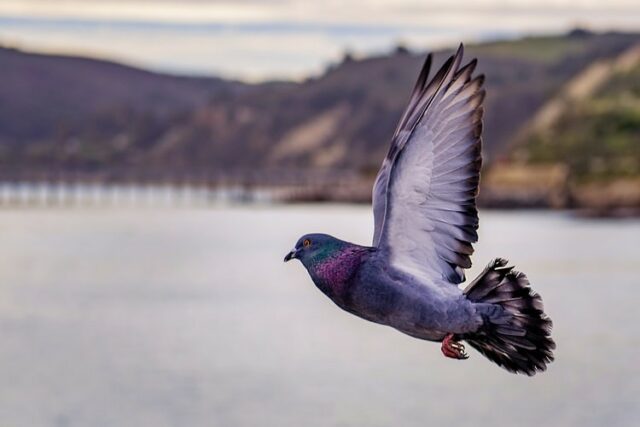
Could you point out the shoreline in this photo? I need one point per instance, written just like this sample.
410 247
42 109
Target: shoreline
599 201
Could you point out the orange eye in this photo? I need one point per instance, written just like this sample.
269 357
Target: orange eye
306 243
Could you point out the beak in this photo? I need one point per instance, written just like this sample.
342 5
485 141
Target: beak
291 255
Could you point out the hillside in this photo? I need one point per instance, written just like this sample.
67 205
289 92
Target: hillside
70 117
591 132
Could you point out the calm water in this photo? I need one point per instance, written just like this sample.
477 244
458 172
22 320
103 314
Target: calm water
182 317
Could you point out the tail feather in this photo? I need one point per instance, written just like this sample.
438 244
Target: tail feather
517 333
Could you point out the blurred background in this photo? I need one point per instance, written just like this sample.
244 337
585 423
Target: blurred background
159 158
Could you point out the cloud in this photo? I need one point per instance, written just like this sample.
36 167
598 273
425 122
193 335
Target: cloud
398 11
282 38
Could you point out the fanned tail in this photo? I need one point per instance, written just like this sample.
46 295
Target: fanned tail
517 333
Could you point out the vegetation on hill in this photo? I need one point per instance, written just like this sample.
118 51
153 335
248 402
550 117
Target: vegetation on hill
598 138
546 49
594 137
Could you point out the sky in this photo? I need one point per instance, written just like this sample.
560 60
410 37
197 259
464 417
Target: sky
283 39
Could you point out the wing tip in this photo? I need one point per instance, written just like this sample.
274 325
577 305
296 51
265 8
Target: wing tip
423 77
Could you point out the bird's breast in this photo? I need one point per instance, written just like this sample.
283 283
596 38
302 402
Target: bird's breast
334 275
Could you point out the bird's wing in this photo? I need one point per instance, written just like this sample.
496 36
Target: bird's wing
424 198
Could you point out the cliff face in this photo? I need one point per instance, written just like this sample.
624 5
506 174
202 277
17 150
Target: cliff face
74 116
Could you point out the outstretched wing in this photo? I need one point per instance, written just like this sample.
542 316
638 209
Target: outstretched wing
424 197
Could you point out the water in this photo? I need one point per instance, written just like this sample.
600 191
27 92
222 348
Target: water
189 317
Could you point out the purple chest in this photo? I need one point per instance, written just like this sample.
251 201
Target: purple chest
334 272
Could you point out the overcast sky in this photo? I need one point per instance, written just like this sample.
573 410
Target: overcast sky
264 39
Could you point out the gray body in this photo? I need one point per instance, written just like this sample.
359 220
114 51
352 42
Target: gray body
382 294
402 302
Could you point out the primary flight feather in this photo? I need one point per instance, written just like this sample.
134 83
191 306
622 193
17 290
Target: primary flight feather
424 205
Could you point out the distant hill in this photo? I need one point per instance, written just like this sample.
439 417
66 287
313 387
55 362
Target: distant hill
61 112
74 116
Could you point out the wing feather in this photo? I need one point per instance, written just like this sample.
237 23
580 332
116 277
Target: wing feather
425 193
421 96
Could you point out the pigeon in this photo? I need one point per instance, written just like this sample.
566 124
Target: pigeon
425 222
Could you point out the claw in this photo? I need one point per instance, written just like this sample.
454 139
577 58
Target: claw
453 349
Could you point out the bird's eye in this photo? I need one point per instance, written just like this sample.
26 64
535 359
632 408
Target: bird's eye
306 243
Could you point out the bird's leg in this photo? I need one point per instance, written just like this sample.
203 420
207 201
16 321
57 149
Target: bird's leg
452 348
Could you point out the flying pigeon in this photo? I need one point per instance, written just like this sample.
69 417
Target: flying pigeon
424 206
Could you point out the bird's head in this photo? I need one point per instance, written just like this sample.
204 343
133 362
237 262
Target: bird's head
313 248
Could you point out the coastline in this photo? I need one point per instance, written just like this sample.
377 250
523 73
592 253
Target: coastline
538 188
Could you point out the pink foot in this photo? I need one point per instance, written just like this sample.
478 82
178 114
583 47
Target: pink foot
453 349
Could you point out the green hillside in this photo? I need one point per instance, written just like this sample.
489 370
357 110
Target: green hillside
598 137
546 49
589 135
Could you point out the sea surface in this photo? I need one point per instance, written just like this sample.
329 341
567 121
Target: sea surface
189 317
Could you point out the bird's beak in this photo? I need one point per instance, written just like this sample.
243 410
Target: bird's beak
291 255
